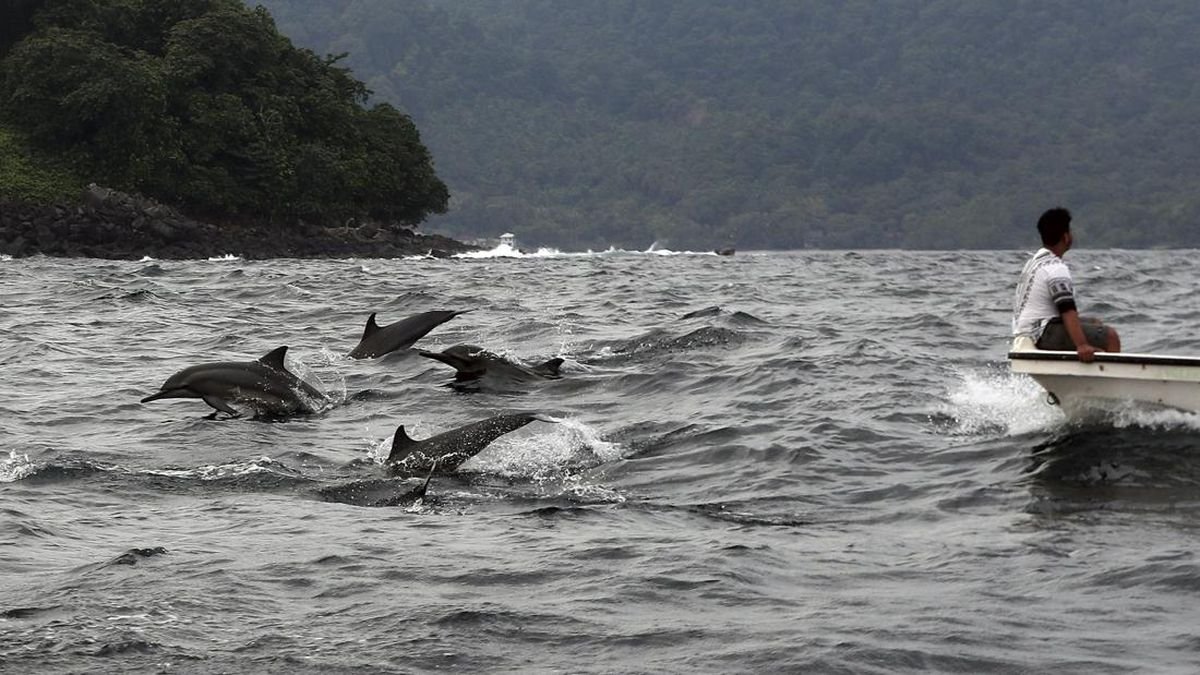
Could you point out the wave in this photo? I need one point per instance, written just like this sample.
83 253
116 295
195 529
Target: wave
508 251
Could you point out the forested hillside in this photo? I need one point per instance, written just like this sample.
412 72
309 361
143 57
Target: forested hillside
202 104
777 123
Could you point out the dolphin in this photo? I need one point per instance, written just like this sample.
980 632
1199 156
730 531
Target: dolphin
451 448
379 340
265 385
378 491
476 363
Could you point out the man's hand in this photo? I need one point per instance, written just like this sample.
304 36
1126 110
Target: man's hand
1086 352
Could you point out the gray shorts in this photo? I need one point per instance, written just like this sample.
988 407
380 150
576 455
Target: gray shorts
1055 336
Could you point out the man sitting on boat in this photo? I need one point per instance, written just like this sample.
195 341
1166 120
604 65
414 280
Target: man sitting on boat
1044 308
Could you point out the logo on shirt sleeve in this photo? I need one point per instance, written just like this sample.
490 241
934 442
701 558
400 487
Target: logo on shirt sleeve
1060 289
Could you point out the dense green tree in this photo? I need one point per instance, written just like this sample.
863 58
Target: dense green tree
16 20
25 178
74 93
203 103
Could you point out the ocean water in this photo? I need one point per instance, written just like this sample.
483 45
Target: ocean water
771 462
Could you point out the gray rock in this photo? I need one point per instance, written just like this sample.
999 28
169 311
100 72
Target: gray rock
163 230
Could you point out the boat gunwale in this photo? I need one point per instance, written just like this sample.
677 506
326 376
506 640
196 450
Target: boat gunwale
1107 357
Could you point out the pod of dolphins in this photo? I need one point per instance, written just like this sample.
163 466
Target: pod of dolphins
268 388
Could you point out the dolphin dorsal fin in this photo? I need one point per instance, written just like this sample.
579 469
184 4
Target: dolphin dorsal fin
275 358
401 445
371 327
551 366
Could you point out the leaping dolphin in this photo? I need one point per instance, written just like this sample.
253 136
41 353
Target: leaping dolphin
377 341
451 448
265 385
476 363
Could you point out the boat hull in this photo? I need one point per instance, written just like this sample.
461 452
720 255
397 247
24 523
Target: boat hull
1171 381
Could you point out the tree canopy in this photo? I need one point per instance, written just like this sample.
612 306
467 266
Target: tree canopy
776 123
203 103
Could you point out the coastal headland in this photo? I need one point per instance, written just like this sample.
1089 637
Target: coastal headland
195 129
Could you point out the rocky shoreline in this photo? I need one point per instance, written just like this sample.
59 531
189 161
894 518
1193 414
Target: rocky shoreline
117 226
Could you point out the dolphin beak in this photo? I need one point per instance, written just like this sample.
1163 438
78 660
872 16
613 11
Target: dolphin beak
444 358
455 362
166 393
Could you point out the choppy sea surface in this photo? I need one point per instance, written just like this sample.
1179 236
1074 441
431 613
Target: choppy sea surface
771 462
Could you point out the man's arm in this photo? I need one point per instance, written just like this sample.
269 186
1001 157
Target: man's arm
1062 292
1070 319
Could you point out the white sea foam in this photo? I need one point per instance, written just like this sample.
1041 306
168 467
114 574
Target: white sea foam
501 251
987 400
990 399
1123 415
656 249
16 467
323 370
217 471
425 256
378 449
591 493
547 453
507 251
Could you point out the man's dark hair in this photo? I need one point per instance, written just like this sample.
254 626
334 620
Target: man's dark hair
1053 225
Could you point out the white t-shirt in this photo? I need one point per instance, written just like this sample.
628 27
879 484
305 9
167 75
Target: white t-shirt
1044 291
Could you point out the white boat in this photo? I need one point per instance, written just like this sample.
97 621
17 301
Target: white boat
1170 381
